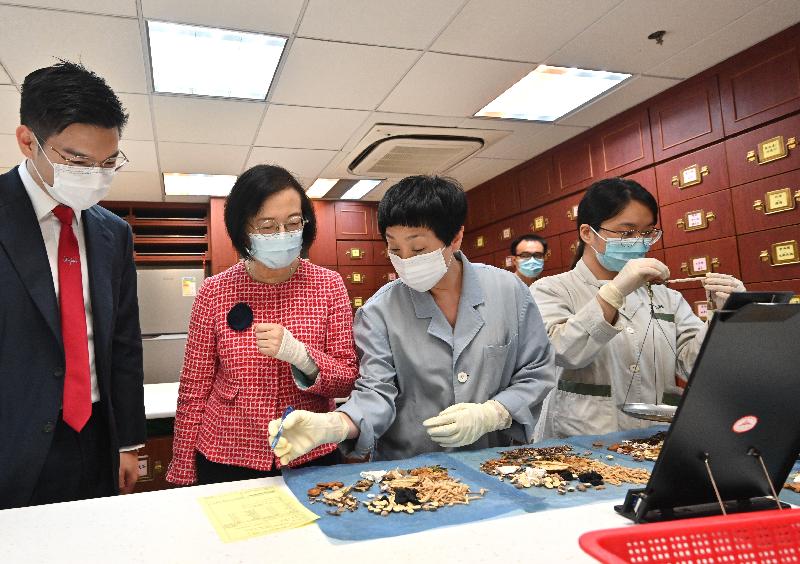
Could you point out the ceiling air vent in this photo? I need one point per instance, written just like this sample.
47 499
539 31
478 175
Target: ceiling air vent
395 151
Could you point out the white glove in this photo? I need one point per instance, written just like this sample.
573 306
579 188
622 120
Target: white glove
294 352
721 286
303 431
464 423
635 274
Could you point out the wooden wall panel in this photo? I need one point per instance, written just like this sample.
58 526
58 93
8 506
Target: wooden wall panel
622 145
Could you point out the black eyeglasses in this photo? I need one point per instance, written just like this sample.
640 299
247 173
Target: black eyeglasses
526 256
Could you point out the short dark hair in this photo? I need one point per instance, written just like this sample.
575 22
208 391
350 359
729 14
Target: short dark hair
528 237
606 198
435 202
247 196
55 97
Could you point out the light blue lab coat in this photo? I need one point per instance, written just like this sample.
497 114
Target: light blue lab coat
414 363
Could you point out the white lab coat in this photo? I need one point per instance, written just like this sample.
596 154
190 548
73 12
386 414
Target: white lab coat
597 362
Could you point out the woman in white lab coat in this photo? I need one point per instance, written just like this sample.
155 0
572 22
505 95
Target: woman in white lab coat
611 347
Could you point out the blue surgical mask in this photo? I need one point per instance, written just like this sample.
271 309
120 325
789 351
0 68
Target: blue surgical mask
531 267
277 250
620 251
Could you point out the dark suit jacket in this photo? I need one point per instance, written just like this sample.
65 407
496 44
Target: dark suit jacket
31 349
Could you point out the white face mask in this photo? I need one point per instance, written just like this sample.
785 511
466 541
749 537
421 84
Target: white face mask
77 187
421 272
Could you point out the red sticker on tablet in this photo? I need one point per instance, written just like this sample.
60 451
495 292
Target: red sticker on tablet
745 424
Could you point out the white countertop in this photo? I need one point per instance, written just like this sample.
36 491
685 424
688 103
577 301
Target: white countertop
169 526
160 400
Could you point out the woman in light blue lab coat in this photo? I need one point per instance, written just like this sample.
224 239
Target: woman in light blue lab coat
453 354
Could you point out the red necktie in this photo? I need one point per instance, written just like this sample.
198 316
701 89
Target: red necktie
77 381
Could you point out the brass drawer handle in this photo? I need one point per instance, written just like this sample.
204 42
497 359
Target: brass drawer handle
355 253
358 302
694 220
771 150
356 278
782 253
690 176
776 201
539 223
574 248
506 233
693 268
480 242
158 467
548 254
572 213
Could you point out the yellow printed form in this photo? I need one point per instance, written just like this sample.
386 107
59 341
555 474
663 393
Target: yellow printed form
253 513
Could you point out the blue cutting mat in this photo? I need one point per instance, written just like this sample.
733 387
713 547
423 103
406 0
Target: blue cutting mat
363 525
550 498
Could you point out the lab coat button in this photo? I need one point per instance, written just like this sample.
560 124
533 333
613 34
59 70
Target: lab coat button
463 377
634 368
630 330
58 373
48 427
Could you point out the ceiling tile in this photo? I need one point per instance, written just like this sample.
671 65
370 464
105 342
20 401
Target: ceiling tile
192 158
253 15
515 146
142 155
303 163
109 46
446 85
635 90
763 22
519 30
340 75
109 7
686 22
140 125
4 78
553 136
198 120
309 128
136 186
9 152
476 170
9 109
412 23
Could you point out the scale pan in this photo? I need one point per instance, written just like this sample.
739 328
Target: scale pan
650 411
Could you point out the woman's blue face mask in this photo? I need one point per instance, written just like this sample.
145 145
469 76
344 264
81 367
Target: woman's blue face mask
620 251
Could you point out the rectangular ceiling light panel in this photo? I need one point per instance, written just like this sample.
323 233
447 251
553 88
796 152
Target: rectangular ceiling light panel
548 93
207 61
360 189
176 184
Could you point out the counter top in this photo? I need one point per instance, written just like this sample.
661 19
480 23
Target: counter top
160 400
170 526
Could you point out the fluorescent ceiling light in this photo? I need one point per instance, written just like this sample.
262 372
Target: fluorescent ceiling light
176 184
321 187
548 93
207 61
360 189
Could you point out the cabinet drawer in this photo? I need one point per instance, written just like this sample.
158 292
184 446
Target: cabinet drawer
354 253
770 255
699 219
771 202
501 259
720 255
476 243
384 275
380 253
697 299
536 183
358 299
357 278
563 215
552 258
573 166
505 232
623 144
764 152
545 221
761 83
696 174
482 259
569 246
782 285
154 459
686 117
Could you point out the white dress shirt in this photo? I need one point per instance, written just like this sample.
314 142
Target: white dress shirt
50 225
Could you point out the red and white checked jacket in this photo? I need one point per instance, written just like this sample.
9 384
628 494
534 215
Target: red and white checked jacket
229 391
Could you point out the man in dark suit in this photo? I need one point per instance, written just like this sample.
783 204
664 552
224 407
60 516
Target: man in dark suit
71 381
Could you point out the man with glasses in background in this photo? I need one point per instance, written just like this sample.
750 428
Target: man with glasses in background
529 253
71 379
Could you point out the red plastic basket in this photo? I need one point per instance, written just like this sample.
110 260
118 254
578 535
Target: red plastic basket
764 536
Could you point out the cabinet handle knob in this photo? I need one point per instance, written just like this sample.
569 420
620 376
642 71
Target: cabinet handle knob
764 256
548 254
573 247
158 467
714 263
711 216
758 205
680 223
685 267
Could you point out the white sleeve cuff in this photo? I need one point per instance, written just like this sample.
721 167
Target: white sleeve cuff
294 352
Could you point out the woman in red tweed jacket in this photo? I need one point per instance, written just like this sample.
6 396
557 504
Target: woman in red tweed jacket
272 331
